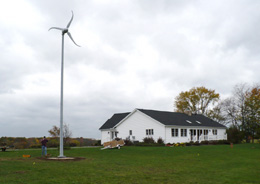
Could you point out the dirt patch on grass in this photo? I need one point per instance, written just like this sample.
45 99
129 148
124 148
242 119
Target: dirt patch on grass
66 159
19 172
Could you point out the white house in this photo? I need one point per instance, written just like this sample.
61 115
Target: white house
172 127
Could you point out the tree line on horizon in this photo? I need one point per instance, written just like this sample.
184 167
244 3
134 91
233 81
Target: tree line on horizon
53 140
35 142
240 112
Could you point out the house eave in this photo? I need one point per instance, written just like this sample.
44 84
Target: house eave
107 129
189 126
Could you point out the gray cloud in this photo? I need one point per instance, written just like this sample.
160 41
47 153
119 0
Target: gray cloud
134 54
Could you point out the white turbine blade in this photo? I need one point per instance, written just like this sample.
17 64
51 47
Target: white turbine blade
70 20
56 28
72 39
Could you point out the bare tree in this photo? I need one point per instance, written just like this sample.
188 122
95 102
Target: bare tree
229 111
66 134
239 93
216 114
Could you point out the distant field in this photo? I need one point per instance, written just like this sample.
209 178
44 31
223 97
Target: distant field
196 164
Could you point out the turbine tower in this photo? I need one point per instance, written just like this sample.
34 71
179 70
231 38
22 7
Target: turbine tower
63 32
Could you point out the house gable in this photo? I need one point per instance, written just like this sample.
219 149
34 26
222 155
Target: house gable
134 111
135 127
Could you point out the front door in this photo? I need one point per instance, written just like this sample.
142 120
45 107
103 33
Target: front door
193 134
199 132
112 135
206 132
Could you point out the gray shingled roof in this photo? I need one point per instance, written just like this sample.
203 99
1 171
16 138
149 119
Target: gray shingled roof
176 118
116 118
167 118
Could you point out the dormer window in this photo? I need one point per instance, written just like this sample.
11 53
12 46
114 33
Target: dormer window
188 121
198 122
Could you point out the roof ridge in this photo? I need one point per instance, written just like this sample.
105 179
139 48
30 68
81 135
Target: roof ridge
159 110
122 113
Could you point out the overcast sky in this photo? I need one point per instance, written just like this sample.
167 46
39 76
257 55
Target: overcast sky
133 54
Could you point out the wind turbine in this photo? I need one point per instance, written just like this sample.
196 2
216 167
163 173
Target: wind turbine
64 31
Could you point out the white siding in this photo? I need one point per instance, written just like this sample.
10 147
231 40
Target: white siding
138 123
221 134
105 136
170 139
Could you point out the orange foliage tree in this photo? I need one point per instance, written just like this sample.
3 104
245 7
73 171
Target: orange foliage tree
197 100
252 109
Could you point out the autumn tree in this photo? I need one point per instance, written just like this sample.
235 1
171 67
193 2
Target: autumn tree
252 111
199 100
55 132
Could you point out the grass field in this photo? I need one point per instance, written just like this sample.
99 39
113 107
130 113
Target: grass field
195 164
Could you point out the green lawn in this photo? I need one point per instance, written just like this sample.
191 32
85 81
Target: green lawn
196 164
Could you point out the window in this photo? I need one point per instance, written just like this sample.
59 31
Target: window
205 132
149 131
183 132
130 132
192 132
199 132
175 132
215 132
112 135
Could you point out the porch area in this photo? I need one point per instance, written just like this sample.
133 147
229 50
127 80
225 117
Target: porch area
208 138
206 135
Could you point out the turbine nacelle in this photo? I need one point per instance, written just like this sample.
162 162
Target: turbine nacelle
66 30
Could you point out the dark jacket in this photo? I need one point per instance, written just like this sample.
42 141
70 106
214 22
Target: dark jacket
44 142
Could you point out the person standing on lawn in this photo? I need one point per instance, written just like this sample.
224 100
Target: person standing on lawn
44 146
